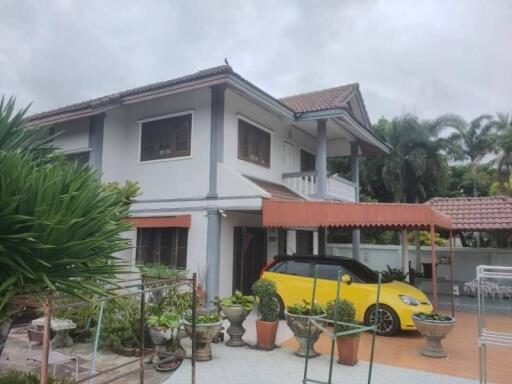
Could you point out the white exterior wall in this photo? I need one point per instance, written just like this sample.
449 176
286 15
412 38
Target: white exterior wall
161 179
281 130
73 135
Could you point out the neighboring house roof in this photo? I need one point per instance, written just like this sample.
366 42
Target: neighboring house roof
276 191
320 100
476 213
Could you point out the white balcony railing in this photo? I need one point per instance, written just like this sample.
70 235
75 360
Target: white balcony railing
305 183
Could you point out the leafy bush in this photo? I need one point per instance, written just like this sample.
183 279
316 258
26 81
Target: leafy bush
205 316
158 270
432 316
393 274
17 377
345 312
238 299
84 316
305 309
265 290
168 319
120 325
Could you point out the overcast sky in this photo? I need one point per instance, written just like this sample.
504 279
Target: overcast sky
425 57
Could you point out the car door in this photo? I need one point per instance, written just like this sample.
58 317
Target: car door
293 280
327 276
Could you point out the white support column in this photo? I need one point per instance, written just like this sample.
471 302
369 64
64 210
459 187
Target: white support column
405 253
321 158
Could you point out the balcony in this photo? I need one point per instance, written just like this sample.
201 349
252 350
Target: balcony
305 184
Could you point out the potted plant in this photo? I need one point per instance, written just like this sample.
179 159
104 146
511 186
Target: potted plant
236 308
434 327
348 345
208 324
297 317
266 327
164 332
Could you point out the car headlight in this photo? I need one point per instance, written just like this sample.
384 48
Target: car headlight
409 300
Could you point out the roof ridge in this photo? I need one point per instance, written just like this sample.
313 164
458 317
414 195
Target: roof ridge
354 85
219 69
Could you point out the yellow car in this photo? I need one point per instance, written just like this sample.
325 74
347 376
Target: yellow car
293 276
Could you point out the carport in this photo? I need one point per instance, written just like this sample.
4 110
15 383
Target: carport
390 216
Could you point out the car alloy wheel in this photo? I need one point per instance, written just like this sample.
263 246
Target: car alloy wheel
387 320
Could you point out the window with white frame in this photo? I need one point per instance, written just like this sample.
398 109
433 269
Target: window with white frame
166 138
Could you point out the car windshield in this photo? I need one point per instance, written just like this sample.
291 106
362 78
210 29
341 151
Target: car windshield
364 273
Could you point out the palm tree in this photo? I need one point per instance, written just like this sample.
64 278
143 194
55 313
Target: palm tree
504 159
415 169
59 225
472 141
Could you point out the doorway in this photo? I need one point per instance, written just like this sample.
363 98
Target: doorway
249 256
304 242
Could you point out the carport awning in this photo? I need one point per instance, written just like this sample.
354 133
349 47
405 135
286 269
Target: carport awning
308 214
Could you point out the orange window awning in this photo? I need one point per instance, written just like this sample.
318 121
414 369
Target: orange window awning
312 214
180 221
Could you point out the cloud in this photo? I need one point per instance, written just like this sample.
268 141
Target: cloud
409 56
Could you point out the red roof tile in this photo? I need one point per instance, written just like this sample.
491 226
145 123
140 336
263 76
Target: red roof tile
476 213
320 100
277 191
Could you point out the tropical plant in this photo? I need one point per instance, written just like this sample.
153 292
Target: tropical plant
120 324
344 311
59 225
205 317
239 299
396 274
265 290
433 316
503 161
168 319
305 309
472 141
158 270
18 377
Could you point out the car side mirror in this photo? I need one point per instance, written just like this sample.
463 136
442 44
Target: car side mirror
346 279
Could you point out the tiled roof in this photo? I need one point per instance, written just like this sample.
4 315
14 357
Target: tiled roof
105 100
476 213
277 191
320 100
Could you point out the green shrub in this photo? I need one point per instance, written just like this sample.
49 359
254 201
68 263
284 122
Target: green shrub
84 316
393 274
120 325
238 299
17 377
345 312
305 309
159 270
265 290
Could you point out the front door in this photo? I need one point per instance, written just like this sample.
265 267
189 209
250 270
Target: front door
249 256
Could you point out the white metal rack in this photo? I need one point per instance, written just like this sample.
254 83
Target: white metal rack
486 274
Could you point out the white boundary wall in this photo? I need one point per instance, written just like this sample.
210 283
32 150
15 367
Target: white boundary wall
466 259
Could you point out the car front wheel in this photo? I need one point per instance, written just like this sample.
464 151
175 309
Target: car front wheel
388 322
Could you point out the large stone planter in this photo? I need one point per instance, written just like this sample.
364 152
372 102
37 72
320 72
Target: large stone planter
300 328
160 337
236 316
204 336
434 331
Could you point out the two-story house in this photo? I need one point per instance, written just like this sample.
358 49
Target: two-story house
207 149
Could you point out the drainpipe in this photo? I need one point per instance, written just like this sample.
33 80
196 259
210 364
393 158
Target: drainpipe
356 233
213 214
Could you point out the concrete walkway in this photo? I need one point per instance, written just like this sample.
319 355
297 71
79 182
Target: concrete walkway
281 366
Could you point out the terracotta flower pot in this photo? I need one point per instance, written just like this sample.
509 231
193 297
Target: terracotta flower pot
236 315
266 334
347 350
434 331
300 328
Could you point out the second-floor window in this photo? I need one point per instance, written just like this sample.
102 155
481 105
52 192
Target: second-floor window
166 138
307 161
253 144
